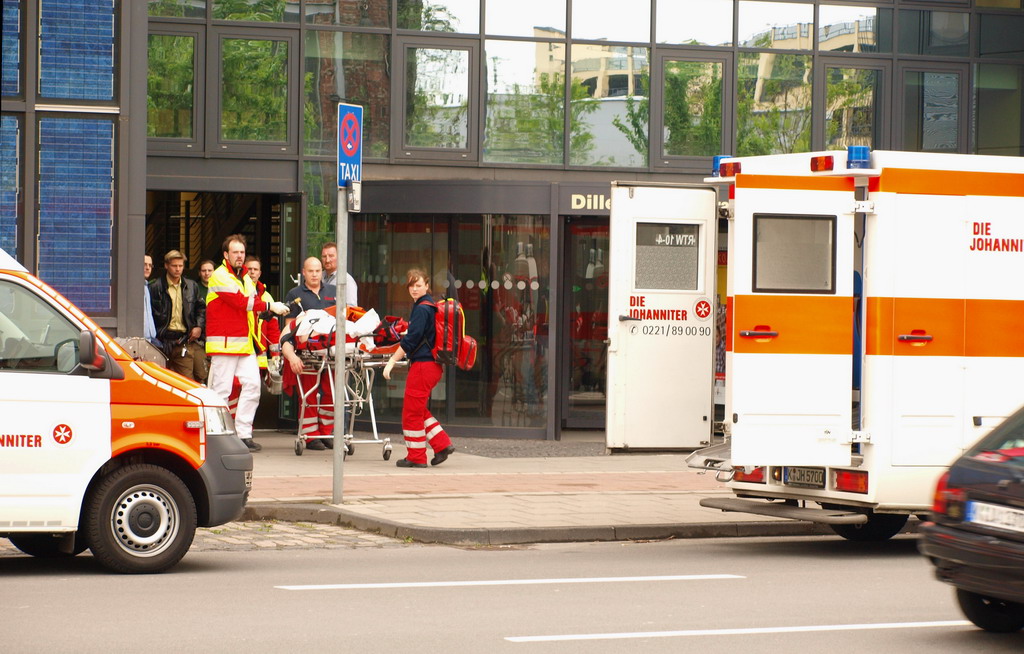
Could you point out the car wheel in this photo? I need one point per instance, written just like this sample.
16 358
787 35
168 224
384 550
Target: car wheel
990 613
141 519
45 546
879 527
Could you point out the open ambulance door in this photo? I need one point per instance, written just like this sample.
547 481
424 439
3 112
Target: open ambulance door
790 332
661 316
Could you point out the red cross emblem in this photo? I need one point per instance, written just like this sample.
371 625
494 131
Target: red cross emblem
62 434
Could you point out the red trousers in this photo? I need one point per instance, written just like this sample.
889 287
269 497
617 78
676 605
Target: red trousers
319 418
418 426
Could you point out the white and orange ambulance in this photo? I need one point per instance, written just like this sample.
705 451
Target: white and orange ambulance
100 451
875 328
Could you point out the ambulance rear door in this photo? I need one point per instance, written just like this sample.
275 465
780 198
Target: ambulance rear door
789 359
661 316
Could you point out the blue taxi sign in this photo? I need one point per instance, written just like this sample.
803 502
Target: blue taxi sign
350 144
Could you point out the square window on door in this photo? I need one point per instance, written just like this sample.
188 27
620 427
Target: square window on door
794 254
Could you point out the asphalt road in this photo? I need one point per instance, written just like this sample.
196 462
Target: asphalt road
778 595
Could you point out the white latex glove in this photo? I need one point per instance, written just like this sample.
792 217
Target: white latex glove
388 368
280 308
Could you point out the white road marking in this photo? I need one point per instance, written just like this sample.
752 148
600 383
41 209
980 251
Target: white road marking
741 632
507 582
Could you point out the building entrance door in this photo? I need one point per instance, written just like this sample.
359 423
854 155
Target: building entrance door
583 341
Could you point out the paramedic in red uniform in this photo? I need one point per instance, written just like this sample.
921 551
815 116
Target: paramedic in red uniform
418 426
231 308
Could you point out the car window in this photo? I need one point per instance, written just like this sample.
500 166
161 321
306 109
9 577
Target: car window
1005 443
34 336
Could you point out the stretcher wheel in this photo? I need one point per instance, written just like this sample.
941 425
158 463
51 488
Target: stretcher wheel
387 453
299 446
350 449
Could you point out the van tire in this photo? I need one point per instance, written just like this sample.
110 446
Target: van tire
140 519
46 546
879 527
990 613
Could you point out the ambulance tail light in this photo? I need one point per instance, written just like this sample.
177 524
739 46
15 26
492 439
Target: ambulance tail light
858 156
756 476
730 169
851 481
823 163
948 499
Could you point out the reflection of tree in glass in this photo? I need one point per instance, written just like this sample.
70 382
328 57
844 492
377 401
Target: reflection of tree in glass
255 90
424 16
693 108
255 10
526 125
170 86
638 107
773 104
849 107
437 98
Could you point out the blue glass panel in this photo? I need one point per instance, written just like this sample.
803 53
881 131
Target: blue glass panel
11 48
76 49
10 162
76 196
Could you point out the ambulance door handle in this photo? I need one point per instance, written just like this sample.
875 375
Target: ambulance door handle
625 318
915 338
750 333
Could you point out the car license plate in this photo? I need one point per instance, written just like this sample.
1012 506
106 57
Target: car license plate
994 515
248 478
806 477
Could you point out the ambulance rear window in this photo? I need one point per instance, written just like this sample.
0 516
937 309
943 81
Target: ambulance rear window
794 253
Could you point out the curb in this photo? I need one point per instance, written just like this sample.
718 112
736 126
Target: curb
334 515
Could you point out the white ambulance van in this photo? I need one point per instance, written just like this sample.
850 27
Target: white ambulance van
875 328
100 451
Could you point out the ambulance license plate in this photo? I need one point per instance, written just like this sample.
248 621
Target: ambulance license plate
248 479
805 477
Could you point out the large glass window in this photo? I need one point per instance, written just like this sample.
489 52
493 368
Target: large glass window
525 102
437 92
941 33
171 86
599 21
931 111
254 90
853 107
353 68
609 124
537 18
439 16
1001 36
178 8
692 108
265 11
777 25
361 13
794 254
999 102
773 103
11 78
854 29
695 22
75 191
76 49
10 183
504 292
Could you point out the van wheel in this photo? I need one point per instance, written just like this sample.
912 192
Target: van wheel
991 614
141 519
45 546
879 527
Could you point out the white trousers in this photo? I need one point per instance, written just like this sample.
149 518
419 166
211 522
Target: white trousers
223 369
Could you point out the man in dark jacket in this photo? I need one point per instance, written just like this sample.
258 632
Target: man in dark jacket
179 311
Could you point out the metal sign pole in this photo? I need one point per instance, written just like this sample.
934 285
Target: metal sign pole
341 284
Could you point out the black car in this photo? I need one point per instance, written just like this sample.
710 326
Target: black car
976 534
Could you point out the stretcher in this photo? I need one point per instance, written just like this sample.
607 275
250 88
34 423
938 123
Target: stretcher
360 370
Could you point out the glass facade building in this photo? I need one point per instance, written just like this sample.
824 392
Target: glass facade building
491 132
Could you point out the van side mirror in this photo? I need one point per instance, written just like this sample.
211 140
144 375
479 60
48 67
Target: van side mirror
89 353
